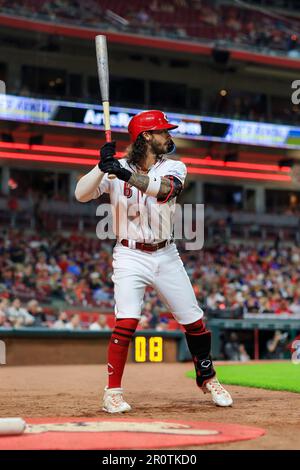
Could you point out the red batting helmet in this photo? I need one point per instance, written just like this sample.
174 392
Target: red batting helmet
152 120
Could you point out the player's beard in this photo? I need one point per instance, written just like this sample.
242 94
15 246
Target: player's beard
160 149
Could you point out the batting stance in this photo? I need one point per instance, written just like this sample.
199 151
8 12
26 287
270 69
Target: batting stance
147 178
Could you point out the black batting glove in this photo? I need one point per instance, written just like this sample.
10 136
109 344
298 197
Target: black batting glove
114 167
107 151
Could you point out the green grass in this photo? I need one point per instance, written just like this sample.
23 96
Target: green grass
272 376
293 140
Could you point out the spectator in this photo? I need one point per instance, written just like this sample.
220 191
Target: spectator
277 346
37 313
74 323
264 305
63 263
143 323
7 278
13 206
100 324
150 310
37 214
162 324
243 355
18 316
42 263
295 306
62 321
211 21
4 323
4 306
252 305
73 268
232 348
101 294
143 17
53 267
283 307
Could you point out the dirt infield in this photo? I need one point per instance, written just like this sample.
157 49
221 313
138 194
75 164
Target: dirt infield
158 391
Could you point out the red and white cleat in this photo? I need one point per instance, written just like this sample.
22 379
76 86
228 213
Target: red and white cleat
219 395
113 401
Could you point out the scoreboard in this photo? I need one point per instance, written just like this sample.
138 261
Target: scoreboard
148 349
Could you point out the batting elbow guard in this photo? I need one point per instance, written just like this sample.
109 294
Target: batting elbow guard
199 346
175 189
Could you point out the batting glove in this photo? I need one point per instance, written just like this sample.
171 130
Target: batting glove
114 167
107 151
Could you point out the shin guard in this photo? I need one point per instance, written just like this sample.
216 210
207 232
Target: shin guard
199 346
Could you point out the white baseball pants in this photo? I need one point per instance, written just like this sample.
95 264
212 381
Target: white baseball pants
134 270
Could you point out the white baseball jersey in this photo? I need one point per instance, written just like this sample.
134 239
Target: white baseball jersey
141 220
138 216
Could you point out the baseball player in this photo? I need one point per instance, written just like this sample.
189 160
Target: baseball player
147 179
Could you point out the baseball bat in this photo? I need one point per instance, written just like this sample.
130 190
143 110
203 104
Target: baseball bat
103 76
12 426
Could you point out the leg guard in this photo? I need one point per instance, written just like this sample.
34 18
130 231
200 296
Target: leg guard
199 346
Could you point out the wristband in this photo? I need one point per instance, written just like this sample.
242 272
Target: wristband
153 186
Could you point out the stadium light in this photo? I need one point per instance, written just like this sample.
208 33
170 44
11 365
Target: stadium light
242 165
207 161
48 158
54 148
190 161
89 161
240 174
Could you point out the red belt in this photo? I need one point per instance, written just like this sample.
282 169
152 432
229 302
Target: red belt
147 246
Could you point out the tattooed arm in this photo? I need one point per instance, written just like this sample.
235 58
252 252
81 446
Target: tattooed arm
170 186
141 182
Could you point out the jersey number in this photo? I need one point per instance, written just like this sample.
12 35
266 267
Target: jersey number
127 189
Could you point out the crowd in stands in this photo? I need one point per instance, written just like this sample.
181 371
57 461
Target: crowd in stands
246 279
180 19
70 269
75 271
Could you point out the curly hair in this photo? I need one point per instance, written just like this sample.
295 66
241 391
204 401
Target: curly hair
137 151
